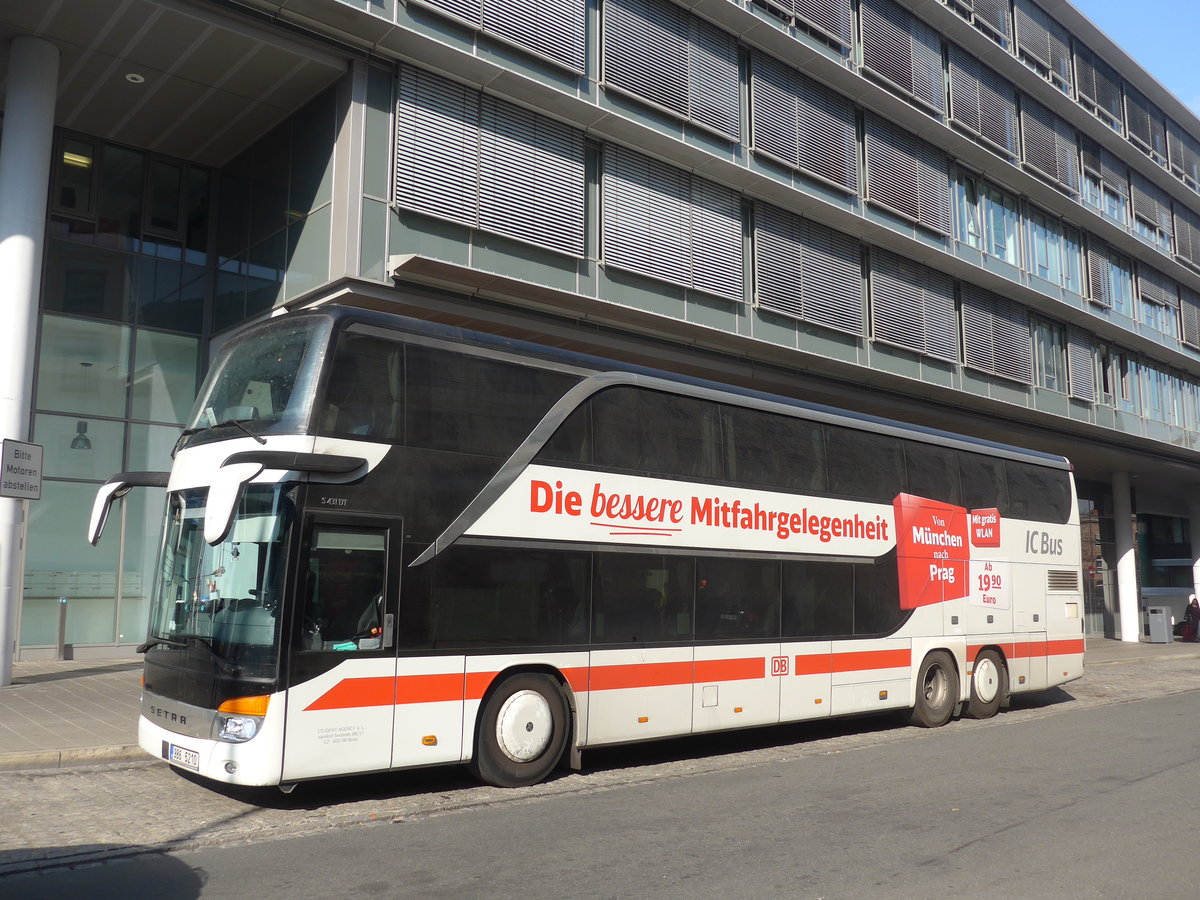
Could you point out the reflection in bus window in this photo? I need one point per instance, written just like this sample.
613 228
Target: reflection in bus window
932 472
642 598
736 598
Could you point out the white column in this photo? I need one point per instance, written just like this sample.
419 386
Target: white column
1127 586
24 178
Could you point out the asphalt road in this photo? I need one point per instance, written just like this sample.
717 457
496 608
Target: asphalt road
1084 792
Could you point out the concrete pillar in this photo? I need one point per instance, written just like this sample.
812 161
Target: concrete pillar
1127 585
24 185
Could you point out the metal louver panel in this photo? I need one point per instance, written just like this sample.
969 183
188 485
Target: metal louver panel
1187 234
1100 85
904 51
1184 153
1150 202
1099 283
1081 374
1062 580
992 17
1155 287
717 245
1147 127
531 177
1050 146
1044 41
982 102
662 222
996 335
804 124
468 10
1106 166
912 306
1189 309
808 271
437 147
550 28
659 53
907 175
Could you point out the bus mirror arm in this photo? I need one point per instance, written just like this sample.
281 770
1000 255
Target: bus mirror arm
118 486
224 497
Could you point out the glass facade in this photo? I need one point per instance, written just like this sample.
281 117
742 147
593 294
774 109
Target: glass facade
145 257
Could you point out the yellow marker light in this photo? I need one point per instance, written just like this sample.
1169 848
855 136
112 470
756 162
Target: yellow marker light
246 706
818 700
883 695
737 709
430 740
642 720
1021 680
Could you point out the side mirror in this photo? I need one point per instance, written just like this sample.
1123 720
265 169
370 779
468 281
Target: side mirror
118 486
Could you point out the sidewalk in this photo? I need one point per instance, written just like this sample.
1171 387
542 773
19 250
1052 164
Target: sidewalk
60 713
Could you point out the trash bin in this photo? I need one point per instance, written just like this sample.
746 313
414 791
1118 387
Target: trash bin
1161 624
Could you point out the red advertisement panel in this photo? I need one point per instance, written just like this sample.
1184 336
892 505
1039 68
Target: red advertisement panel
985 527
932 551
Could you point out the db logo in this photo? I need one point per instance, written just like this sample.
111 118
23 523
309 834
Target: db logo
779 665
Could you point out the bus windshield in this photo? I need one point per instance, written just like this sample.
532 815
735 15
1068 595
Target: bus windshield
224 599
264 385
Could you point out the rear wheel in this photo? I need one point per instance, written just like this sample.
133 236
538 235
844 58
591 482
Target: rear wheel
522 732
937 691
989 684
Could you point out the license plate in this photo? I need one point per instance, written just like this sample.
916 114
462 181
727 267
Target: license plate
182 756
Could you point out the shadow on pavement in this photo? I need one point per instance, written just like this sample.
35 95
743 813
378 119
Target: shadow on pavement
122 871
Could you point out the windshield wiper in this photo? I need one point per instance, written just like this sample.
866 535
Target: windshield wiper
142 648
222 661
236 423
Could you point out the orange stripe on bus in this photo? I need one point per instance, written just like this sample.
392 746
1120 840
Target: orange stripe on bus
871 659
354 692
615 678
730 669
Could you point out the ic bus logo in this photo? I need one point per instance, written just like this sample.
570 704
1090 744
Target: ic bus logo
779 665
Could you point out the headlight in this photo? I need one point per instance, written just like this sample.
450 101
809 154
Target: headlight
237 729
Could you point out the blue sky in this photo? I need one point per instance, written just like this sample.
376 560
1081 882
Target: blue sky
1163 36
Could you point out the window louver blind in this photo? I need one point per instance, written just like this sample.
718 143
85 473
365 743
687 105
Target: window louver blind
1081 373
1043 41
659 53
1147 127
1187 234
1099 86
907 175
1184 153
1155 287
904 51
1189 309
1107 166
487 164
550 28
831 18
1150 202
996 335
982 102
662 222
1050 145
1099 282
808 271
912 306
804 124
992 17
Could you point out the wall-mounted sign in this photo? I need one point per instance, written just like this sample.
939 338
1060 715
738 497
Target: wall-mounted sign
21 471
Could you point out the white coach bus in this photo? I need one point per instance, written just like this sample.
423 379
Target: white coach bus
392 544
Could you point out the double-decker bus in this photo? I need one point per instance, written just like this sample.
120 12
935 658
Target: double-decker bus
391 543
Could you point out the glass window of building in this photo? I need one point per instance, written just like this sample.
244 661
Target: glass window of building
1045 246
968 217
1050 360
1003 225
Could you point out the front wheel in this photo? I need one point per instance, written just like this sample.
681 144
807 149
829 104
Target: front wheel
523 731
989 684
937 691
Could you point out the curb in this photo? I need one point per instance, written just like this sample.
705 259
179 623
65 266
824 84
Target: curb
62 759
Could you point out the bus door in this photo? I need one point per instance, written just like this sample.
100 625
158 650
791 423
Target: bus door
342 657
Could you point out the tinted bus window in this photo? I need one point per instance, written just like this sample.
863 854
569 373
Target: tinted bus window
736 599
932 472
862 465
1038 492
818 599
642 598
984 484
469 404
649 432
364 394
774 451
485 597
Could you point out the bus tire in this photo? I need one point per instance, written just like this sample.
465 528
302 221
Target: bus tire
937 691
989 684
522 731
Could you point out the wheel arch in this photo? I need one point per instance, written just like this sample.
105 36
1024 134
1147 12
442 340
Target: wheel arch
564 685
998 649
